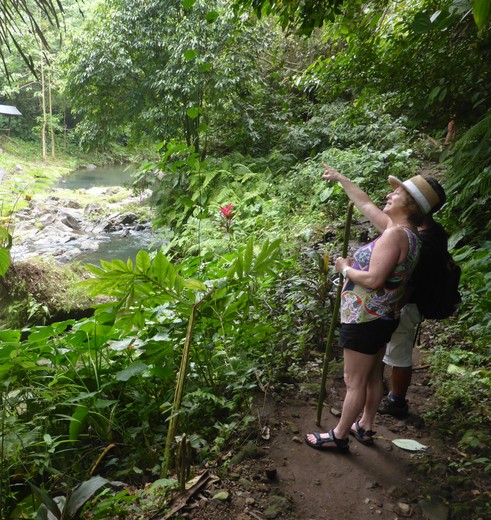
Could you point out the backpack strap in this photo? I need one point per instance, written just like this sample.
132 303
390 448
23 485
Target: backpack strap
417 334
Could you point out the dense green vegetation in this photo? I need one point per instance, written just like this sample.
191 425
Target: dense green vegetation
233 117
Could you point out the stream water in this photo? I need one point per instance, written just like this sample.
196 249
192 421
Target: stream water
113 246
121 248
115 175
63 231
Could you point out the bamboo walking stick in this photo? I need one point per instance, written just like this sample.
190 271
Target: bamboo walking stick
334 319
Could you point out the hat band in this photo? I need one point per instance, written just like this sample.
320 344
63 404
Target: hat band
418 196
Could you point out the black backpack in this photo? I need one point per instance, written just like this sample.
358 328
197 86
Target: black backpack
440 297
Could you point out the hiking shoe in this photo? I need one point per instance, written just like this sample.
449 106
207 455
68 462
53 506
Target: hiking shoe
389 406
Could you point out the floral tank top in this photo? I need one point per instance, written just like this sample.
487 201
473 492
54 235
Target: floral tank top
359 304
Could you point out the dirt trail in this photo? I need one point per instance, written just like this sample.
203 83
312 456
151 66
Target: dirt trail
291 480
368 481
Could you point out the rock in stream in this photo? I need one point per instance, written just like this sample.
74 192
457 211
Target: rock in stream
64 227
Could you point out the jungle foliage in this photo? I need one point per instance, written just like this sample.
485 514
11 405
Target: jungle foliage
243 115
16 16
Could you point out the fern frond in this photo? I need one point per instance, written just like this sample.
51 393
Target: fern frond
479 132
226 194
469 180
256 194
242 169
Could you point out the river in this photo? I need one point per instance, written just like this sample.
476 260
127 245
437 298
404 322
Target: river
113 246
57 227
115 175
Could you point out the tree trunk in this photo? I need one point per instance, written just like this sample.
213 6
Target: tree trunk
43 108
51 126
64 130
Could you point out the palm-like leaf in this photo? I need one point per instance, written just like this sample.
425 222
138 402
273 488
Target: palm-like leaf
469 181
17 13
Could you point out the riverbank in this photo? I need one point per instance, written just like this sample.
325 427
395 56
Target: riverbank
42 221
66 225
52 235
23 172
52 227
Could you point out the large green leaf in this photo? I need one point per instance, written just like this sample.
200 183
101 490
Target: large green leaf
44 514
77 422
195 285
190 54
9 336
205 67
482 12
248 253
192 112
81 494
212 16
99 326
4 260
5 370
160 266
47 501
135 369
421 23
40 333
143 262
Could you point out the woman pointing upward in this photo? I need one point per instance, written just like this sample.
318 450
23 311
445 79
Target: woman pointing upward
375 281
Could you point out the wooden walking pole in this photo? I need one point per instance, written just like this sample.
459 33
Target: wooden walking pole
334 319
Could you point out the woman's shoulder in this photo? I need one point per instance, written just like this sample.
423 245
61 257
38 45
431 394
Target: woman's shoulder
399 236
398 232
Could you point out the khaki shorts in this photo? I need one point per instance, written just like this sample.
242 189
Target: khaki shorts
399 352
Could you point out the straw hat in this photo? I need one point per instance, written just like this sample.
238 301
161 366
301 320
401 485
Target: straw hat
423 193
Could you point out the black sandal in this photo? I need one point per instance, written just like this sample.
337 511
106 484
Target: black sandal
362 435
330 443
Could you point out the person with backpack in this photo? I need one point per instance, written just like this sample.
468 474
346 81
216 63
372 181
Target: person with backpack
375 280
432 293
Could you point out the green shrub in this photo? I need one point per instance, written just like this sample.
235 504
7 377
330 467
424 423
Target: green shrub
344 125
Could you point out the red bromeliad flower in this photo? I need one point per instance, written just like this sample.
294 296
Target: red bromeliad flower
227 212
227 215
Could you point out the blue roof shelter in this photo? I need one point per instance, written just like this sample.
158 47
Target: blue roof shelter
8 111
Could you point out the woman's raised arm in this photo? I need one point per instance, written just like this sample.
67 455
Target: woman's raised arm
360 199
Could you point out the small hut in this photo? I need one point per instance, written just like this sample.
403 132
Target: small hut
8 111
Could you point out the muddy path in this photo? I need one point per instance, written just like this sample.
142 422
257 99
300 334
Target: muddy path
281 477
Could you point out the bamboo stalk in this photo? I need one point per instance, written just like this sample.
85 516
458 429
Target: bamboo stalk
334 319
174 419
178 393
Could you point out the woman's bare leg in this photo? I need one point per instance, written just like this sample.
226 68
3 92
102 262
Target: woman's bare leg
375 392
358 372
361 385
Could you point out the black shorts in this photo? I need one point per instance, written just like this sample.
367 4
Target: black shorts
368 337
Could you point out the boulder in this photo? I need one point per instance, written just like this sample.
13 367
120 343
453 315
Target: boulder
71 218
102 227
125 219
92 209
61 227
46 219
71 204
